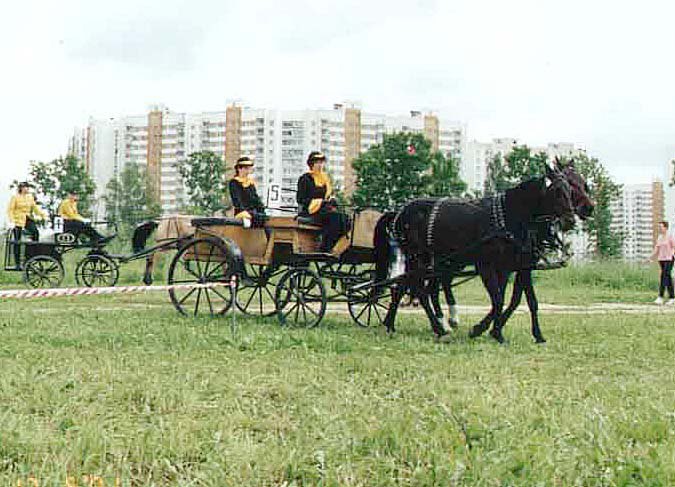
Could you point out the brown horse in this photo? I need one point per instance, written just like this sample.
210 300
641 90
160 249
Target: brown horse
166 229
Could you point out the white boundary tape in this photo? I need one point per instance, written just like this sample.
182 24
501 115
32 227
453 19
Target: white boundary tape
91 291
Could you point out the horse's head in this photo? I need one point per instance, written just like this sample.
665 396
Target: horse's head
582 203
558 201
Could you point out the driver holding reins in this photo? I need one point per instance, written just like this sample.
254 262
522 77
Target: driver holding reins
315 200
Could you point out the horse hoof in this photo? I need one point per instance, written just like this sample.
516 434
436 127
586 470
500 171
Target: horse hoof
443 338
540 341
475 332
497 336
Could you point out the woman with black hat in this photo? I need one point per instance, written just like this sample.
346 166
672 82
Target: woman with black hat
315 199
247 204
22 212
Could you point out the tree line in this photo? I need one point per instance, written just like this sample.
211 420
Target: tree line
402 167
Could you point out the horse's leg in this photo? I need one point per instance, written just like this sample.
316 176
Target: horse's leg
149 266
533 304
434 289
452 303
491 284
425 294
397 293
515 297
498 303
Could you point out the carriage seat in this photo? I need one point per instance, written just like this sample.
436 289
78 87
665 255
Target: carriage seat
306 220
216 220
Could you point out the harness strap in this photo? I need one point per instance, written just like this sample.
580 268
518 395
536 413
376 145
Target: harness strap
497 213
432 221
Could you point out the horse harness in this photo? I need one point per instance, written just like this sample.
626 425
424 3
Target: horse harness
529 243
497 218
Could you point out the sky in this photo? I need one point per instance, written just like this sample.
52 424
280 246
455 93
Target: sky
596 73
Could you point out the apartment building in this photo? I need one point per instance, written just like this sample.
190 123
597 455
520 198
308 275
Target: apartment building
477 156
278 140
636 214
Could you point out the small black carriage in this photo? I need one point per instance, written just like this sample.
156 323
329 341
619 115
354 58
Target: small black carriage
41 262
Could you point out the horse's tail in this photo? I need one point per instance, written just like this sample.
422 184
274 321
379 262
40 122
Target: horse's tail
141 234
381 240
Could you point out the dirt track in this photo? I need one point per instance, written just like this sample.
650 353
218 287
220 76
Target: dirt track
595 308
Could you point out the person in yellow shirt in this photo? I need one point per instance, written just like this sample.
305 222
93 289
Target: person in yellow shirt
75 223
23 212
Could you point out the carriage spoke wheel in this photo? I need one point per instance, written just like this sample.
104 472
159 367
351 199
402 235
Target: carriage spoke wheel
300 298
43 271
202 261
368 307
97 270
255 295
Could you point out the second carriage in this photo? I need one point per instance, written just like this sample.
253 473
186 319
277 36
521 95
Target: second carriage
278 269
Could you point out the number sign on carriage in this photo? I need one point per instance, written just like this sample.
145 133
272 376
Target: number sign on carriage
274 194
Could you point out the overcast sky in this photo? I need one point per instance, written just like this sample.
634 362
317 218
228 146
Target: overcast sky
596 73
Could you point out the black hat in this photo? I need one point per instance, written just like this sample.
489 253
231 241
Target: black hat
315 156
244 161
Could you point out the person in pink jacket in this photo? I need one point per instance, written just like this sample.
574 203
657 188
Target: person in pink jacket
663 252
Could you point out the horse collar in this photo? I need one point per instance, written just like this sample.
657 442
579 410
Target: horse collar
498 215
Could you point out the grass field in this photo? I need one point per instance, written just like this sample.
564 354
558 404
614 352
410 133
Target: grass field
120 390
98 390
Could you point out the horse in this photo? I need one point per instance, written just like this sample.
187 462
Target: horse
487 233
173 227
546 236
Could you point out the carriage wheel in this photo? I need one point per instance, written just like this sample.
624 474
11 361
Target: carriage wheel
97 270
43 271
202 261
255 294
369 306
300 298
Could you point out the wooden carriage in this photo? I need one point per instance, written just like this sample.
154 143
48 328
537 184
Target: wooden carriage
279 268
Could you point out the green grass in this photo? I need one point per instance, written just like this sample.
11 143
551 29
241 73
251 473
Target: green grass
154 399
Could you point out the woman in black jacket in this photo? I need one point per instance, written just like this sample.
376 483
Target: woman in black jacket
315 200
247 204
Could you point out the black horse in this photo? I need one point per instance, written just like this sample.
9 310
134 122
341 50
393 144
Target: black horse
489 233
546 237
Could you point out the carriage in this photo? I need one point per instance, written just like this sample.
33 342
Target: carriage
101 268
279 270
41 262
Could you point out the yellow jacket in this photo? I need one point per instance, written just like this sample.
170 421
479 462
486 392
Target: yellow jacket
68 210
22 206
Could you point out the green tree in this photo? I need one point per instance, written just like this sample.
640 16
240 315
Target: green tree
521 164
445 178
129 198
203 175
603 190
506 171
42 176
393 172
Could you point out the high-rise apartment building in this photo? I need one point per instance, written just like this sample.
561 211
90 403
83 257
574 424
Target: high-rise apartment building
279 141
636 214
477 156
